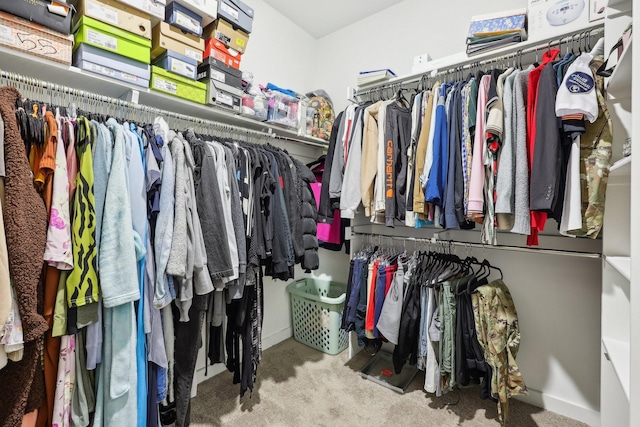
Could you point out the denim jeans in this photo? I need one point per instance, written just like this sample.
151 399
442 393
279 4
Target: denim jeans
354 296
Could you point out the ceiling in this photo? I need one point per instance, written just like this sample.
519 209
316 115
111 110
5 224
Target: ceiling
320 18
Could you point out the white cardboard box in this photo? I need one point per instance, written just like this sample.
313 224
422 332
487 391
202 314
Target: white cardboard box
549 18
152 7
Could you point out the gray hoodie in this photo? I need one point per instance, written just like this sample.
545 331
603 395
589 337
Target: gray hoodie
522 220
351 189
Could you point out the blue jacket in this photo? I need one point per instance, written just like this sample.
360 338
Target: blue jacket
434 192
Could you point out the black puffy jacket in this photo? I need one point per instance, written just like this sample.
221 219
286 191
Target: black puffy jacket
309 216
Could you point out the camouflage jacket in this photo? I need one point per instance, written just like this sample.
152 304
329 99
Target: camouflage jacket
595 159
498 334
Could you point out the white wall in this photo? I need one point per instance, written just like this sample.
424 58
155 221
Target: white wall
279 51
393 37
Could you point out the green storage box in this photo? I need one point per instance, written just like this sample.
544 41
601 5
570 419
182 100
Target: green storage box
108 37
316 307
173 84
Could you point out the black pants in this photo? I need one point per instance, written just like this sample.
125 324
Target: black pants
188 336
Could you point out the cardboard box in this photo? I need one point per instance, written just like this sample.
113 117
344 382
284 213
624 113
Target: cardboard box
53 14
550 18
20 34
109 64
164 81
237 13
215 49
117 14
152 7
207 9
212 69
223 95
505 21
183 18
108 37
223 31
165 37
178 64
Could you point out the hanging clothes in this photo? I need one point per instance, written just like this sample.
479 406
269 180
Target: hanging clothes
491 149
26 238
443 315
134 229
595 160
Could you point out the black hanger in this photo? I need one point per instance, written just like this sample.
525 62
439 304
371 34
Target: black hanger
444 265
399 97
35 124
21 118
434 268
319 160
454 262
495 268
483 276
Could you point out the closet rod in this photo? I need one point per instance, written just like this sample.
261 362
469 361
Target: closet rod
434 240
90 96
470 63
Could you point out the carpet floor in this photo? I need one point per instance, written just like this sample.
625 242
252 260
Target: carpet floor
300 386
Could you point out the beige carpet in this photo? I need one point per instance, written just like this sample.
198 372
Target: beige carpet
299 386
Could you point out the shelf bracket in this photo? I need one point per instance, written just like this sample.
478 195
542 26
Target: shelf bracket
132 96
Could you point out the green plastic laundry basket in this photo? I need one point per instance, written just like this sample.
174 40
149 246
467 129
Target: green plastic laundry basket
316 307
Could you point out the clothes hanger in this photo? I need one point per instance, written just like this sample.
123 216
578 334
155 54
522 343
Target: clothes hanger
435 269
589 40
477 279
498 269
460 285
400 98
444 273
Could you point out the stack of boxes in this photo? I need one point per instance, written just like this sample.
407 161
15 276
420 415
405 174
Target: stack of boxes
37 27
118 38
112 39
176 56
187 48
177 49
226 40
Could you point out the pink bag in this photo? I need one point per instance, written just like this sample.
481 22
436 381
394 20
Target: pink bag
328 233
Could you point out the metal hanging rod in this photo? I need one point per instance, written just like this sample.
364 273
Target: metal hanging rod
472 63
96 98
434 240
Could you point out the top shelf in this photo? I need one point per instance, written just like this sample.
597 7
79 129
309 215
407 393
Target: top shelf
462 58
612 3
32 66
618 7
619 84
